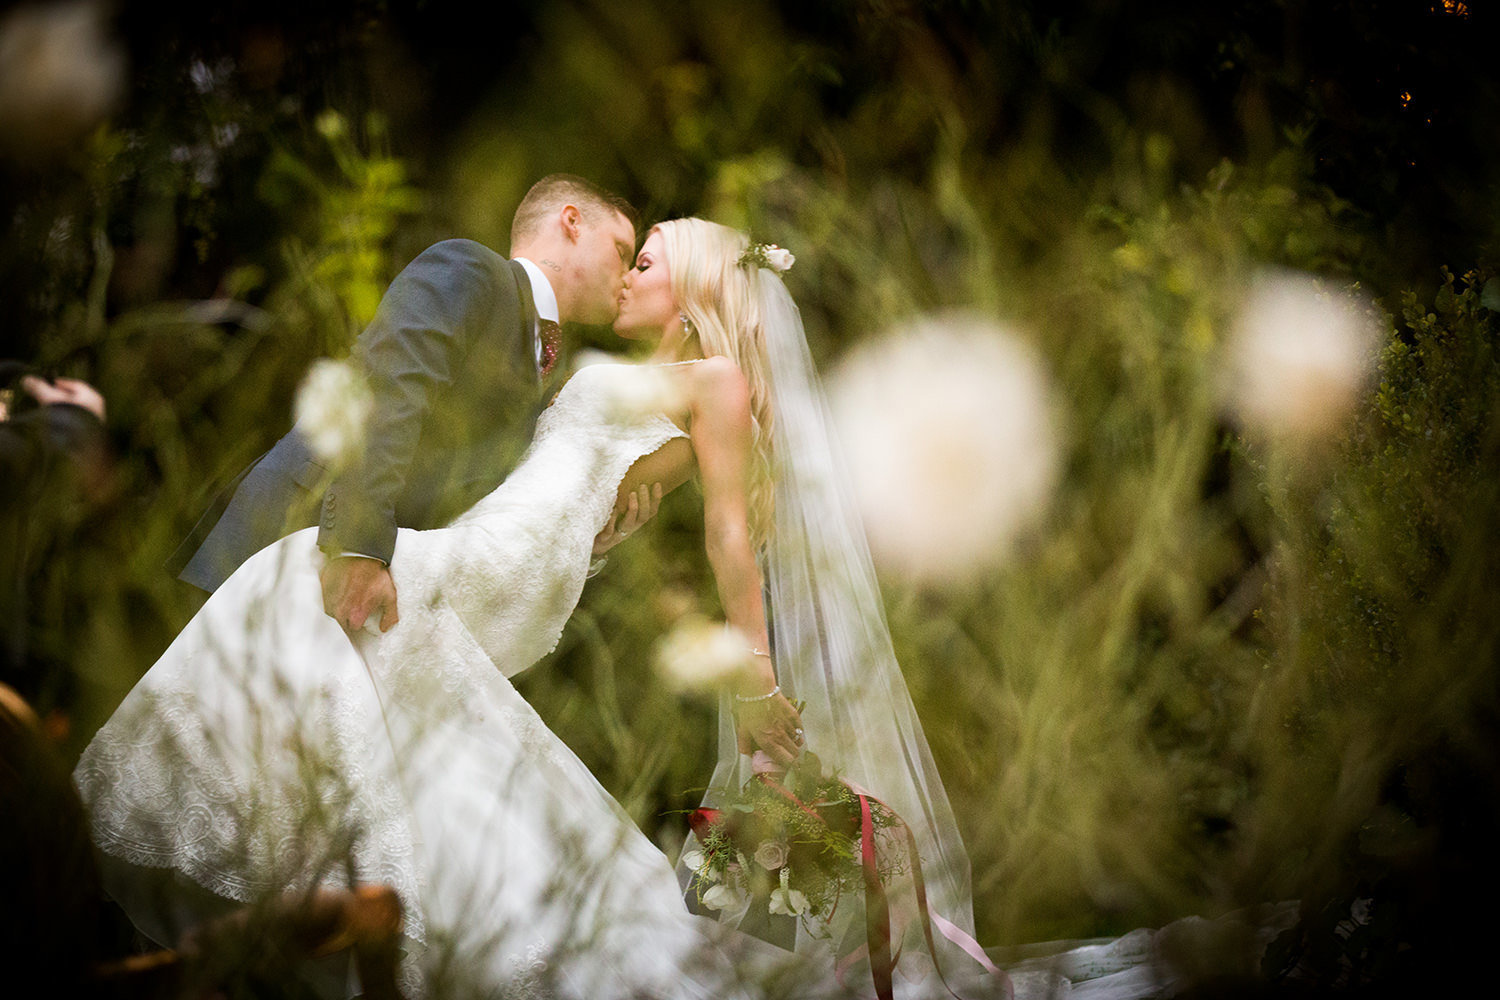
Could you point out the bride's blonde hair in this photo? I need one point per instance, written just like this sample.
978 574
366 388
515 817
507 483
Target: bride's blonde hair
720 298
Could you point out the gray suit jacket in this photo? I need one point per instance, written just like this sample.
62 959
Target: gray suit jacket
450 359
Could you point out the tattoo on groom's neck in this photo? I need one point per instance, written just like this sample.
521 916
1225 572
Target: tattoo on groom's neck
555 266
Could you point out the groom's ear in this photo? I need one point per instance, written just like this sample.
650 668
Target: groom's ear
572 222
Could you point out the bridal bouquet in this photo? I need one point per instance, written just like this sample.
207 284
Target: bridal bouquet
795 840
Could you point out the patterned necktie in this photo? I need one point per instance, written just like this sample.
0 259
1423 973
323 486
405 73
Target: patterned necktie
550 335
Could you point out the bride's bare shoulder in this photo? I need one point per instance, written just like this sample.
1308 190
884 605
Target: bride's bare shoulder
717 384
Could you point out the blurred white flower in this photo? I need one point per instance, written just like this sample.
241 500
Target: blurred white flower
951 443
693 860
332 409
698 655
674 601
331 125
636 391
771 854
588 357
60 75
789 902
723 897
1298 357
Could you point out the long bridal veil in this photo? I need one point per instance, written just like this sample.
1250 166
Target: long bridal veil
832 647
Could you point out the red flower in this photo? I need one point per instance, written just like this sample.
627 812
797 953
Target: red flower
703 820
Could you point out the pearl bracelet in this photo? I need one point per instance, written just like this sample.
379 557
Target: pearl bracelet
758 652
759 697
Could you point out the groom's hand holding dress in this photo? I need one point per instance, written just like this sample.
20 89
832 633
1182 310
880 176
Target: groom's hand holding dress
356 590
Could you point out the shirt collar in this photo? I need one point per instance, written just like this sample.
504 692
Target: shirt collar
541 290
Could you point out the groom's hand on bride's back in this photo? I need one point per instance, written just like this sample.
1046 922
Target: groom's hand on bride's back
357 590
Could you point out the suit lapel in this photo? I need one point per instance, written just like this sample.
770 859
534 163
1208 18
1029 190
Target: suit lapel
526 341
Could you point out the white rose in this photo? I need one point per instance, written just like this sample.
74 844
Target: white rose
723 897
789 902
332 409
771 854
779 259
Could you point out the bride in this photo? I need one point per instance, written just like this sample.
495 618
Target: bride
269 751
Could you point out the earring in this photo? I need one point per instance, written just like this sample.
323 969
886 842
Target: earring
687 325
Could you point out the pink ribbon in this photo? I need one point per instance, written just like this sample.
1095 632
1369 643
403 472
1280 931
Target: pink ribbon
930 917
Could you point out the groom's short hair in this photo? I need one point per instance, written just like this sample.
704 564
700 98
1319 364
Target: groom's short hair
555 190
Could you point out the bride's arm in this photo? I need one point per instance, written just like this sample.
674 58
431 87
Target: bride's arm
720 429
645 483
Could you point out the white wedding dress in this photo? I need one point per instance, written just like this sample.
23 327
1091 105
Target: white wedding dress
265 750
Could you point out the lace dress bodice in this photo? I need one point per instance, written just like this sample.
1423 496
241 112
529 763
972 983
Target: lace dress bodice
513 566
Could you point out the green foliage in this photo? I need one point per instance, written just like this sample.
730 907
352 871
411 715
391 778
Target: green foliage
1379 693
339 267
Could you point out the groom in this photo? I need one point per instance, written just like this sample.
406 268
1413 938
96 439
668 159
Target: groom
459 356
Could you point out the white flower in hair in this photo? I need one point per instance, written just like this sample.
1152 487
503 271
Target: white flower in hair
332 408
769 255
778 259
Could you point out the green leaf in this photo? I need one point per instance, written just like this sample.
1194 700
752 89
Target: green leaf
1490 297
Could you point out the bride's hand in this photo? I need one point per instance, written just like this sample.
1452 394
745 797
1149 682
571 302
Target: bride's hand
644 502
772 725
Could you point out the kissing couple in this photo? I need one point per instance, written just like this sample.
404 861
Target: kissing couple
340 710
